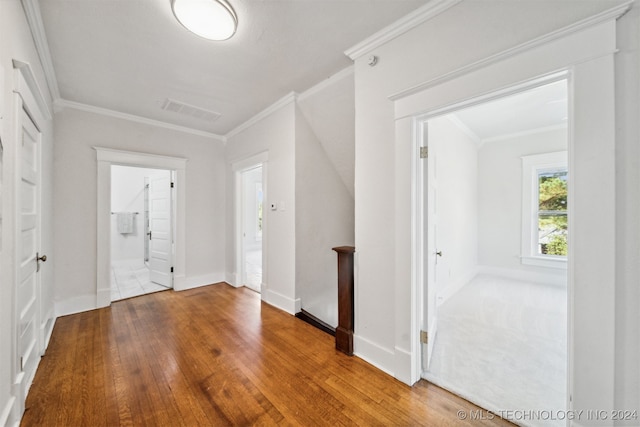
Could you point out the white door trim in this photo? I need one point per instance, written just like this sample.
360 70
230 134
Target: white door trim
107 157
238 167
586 56
28 98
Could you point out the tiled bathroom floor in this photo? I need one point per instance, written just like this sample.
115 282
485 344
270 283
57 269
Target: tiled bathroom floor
254 270
131 279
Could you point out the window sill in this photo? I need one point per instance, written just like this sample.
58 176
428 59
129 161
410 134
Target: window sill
549 262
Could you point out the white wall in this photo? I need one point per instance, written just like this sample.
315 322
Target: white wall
500 195
75 183
456 163
127 195
274 134
324 219
329 108
462 35
16 43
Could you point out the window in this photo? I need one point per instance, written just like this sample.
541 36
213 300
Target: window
544 210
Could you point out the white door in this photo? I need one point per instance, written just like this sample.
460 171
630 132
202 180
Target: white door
252 222
431 251
160 233
28 242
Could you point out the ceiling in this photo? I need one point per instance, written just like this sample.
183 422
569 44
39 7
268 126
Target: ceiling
131 56
541 108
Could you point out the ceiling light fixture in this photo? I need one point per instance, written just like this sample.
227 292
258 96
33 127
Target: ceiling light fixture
211 19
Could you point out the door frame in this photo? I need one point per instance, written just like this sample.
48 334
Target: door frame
106 157
422 216
28 98
585 53
238 167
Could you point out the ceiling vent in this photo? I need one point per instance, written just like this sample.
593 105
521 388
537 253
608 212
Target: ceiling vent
190 110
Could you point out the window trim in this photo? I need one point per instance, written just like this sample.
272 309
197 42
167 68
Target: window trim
531 166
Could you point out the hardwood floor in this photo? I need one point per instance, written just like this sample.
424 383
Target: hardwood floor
217 355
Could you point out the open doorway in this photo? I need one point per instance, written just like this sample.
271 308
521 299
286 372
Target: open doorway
141 231
495 191
252 223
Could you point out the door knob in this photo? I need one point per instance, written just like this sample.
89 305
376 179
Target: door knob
40 259
439 253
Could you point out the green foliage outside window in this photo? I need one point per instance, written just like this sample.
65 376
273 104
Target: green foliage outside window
552 212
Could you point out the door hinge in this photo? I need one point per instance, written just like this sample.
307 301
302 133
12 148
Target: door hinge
424 152
21 363
424 337
172 185
172 269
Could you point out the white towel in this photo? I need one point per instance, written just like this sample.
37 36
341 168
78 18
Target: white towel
125 222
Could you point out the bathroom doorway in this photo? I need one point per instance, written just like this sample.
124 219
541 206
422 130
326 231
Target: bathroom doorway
252 198
141 231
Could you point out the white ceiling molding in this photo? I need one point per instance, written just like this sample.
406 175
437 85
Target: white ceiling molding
613 13
464 129
63 103
32 12
287 99
523 133
140 159
401 26
349 71
32 87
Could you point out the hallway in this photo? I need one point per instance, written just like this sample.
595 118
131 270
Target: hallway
168 359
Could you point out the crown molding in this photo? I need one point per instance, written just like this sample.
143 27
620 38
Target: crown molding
26 71
286 100
401 26
63 103
606 15
529 132
455 120
34 19
347 72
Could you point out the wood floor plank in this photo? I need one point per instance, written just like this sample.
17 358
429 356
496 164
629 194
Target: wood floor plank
217 355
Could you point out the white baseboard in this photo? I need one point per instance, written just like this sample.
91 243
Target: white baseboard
283 302
46 329
402 366
374 354
198 281
7 411
557 278
178 281
233 279
103 298
18 390
75 305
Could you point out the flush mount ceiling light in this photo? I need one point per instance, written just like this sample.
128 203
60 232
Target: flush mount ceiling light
211 19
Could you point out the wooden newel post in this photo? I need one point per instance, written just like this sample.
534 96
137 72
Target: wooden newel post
344 331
